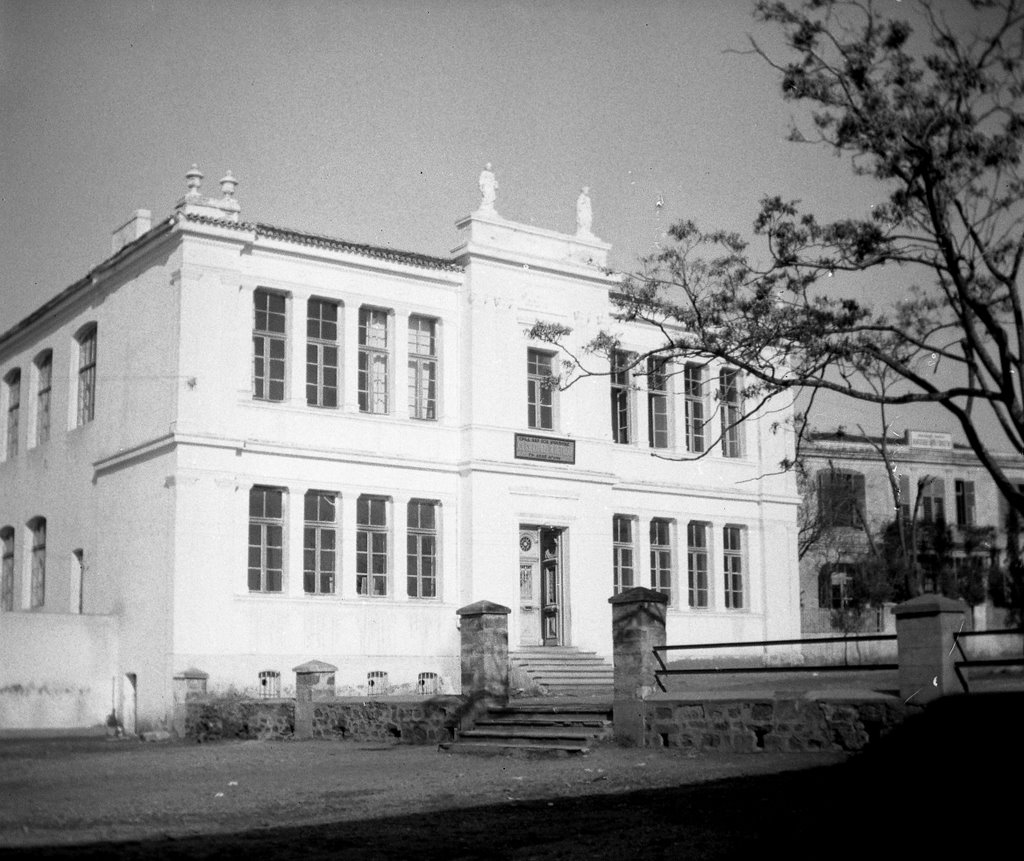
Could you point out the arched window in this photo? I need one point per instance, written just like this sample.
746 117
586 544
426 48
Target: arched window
37 590
86 374
7 568
12 383
44 383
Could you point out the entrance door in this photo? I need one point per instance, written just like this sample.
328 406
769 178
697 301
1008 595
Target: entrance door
540 586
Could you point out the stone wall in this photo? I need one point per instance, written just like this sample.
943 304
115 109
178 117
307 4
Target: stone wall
748 725
394 721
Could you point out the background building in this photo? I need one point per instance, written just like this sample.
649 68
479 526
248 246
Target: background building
239 447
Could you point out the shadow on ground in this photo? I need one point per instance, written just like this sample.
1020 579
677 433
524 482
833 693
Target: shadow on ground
944 782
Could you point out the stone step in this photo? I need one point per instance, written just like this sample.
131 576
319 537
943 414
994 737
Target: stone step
527 734
517 750
599 721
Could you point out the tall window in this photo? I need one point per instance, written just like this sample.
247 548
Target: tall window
421 549
266 539
372 545
622 406
37 594
7 568
965 515
422 368
44 376
622 552
13 381
732 561
657 402
731 399
269 345
697 563
693 390
373 361
319 542
540 390
321 353
841 498
906 502
661 556
933 500
86 376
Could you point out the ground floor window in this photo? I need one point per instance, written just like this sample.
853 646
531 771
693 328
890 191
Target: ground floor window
372 556
266 539
38 584
7 568
622 553
697 563
661 556
319 542
421 549
732 561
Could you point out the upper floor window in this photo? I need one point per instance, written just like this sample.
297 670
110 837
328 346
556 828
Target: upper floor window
86 376
372 550
373 361
13 384
731 398
319 542
693 390
933 500
622 553
657 402
269 345
266 539
321 353
622 401
661 556
697 563
37 592
732 563
841 498
540 390
7 568
965 514
421 549
422 367
44 382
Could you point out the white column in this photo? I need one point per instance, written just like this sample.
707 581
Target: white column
345 585
643 549
350 365
295 350
293 533
400 357
399 525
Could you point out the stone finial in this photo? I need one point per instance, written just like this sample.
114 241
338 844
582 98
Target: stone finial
228 185
193 179
488 189
584 213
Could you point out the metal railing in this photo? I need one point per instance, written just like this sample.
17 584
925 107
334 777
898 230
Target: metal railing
982 662
796 668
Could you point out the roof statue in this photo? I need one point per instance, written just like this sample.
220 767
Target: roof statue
584 213
488 189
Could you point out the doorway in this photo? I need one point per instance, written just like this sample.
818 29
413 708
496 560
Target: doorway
541 582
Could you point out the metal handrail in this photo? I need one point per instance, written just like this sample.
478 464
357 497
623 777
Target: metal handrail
981 662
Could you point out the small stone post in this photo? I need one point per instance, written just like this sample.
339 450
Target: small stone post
924 642
638 625
484 633
189 685
314 681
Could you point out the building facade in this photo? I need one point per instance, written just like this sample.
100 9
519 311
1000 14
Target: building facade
849 501
238 447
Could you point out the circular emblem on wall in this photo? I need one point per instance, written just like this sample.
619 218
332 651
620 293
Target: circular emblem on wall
525 543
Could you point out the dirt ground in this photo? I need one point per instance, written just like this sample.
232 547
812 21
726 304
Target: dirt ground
935 784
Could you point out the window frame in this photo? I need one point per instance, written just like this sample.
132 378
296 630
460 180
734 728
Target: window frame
842 498
44 397
966 503
730 393
933 500
622 409
266 523
322 576
623 548
423 369
694 407
734 566
264 342
369 373
540 393
416 579
37 563
7 569
698 576
319 390
12 418
373 542
659 403
88 356
662 557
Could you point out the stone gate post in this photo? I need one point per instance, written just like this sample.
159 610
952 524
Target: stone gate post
638 625
483 628
189 685
924 643
314 681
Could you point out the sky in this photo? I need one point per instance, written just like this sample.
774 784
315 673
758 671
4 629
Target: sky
371 121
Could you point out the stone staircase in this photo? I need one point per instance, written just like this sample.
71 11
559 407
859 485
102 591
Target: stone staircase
522 729
564 671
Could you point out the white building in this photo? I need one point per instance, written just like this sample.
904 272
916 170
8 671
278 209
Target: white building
238 447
